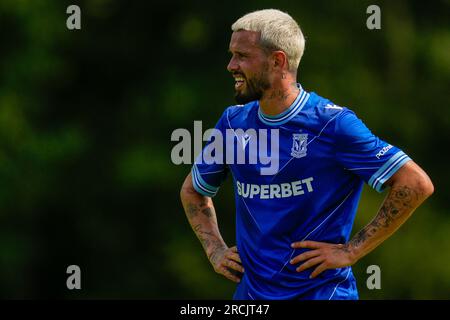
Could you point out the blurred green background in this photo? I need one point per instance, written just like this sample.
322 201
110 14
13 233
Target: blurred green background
86 119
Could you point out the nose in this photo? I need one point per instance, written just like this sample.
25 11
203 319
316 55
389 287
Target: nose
232 65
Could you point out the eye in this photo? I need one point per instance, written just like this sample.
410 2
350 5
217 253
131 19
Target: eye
238 55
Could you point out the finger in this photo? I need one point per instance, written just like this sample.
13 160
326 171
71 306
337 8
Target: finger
321 268
229 275
234 249
305 256
307 244
235 266
310 263
235 257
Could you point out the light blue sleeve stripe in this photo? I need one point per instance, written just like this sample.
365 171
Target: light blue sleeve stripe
388 170
203 182
383 168
400 162
200 185
199 188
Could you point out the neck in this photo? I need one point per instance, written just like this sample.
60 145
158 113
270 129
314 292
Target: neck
279 98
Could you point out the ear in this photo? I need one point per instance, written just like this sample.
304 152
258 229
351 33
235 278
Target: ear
279 60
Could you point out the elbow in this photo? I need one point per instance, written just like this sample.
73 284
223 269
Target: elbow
422 185
425 187
187 189
184 191
416 179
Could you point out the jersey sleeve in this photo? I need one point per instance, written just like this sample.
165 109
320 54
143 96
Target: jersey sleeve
210 169
361 152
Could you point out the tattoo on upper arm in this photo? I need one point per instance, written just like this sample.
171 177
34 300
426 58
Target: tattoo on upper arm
207 212
193 209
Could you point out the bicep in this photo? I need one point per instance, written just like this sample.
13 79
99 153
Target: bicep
187 184
358 150
411 174
188 191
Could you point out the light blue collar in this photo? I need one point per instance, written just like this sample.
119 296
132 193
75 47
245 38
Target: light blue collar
287 114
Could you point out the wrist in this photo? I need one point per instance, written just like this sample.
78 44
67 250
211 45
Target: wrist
353 252
214 251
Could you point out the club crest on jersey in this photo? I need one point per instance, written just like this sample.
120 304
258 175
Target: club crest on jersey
299 145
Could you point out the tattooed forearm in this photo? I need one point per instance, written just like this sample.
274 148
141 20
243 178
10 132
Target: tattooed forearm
202 217
396 208
210 242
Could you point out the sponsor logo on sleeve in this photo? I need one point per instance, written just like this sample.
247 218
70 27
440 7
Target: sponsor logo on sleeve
383 151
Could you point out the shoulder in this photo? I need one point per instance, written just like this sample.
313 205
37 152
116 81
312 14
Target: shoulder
334 119
323 110
239 113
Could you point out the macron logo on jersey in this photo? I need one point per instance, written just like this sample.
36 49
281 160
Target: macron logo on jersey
245 139
272 191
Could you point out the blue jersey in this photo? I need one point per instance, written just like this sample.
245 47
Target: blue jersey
325 154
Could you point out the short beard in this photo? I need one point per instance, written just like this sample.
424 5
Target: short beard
254 88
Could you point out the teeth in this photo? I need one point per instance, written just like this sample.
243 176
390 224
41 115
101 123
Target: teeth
239 82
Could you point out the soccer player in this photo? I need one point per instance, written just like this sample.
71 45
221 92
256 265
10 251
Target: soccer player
293 223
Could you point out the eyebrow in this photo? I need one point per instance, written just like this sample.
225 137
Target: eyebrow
237 51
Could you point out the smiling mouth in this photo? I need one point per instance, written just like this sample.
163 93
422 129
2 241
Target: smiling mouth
239 82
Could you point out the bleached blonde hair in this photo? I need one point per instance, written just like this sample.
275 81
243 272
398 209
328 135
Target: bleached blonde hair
278 31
